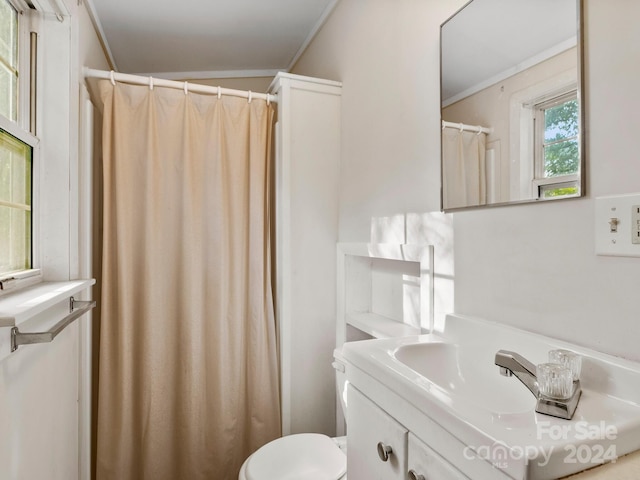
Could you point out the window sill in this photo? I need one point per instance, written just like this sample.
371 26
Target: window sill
13 282
19 306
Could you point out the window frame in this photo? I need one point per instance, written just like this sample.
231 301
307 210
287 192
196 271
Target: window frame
20 278
20 129
8 62
540 182
23 104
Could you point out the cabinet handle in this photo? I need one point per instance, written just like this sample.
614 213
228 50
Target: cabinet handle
415 476
384 451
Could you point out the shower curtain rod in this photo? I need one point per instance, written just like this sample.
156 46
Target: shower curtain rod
466 128
187 87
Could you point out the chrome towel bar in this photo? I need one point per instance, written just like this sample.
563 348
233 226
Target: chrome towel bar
76 309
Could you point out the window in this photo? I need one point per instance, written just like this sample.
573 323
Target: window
15 204
17 151
556 144
8 61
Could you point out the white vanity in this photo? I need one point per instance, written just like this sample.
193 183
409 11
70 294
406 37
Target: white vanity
435 407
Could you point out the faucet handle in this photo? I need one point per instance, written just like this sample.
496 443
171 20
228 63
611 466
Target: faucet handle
555 380
569 359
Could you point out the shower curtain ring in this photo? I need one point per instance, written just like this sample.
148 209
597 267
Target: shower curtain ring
250 96
186 88
113 79
219 92
150 83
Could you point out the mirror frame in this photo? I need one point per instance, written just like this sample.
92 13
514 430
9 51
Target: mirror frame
581 117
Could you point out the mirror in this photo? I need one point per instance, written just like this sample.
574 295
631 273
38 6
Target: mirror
511 104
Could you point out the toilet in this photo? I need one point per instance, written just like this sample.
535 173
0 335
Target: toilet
311 456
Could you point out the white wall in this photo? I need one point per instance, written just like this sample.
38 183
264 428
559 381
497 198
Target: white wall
38 411
386 54
532 266
90 50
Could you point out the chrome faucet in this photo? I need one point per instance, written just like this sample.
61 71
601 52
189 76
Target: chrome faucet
512 363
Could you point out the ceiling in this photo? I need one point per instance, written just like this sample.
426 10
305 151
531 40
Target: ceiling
490 39
206 38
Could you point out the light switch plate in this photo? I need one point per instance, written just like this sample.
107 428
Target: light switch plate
635 224
617 225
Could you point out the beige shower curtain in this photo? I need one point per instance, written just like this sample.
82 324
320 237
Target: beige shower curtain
464 168
188 383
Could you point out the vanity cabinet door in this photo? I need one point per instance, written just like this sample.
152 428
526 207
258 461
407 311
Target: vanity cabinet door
376 443
425 464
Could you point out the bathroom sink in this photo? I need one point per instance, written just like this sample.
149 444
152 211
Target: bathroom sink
455 370
450 379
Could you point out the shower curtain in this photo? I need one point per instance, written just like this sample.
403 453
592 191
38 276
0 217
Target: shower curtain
188 382
464 170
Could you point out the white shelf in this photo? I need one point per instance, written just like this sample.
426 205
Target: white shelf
16 308
384 290
379 326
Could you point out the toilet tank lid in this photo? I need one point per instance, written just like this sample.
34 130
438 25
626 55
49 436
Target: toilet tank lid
303 455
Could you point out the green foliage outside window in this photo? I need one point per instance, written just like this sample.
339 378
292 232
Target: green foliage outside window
561 192
561 150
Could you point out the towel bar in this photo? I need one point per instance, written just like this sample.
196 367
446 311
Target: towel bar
18 338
